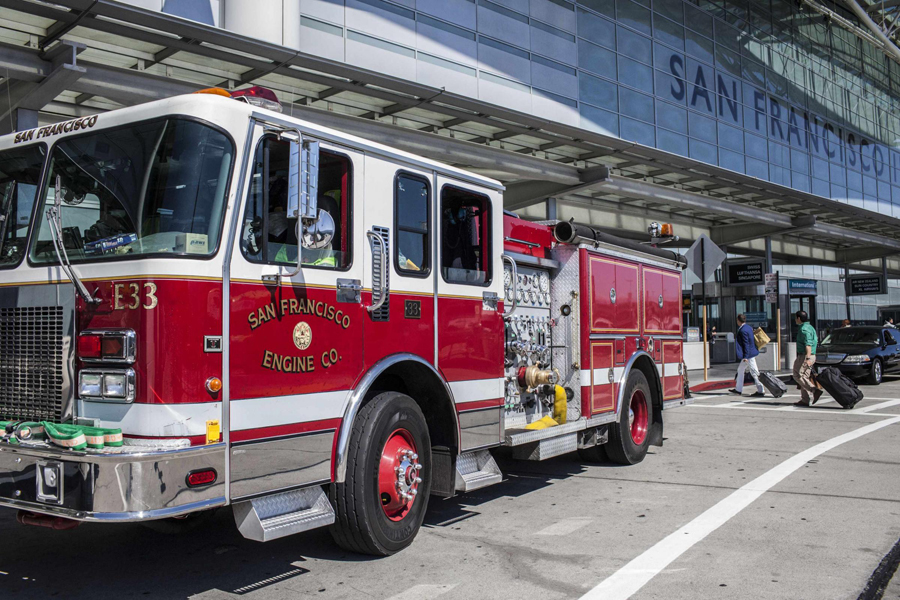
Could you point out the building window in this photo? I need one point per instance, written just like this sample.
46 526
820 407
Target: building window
465 237
268 235
411 230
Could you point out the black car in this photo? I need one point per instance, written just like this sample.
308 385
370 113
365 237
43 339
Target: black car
861 352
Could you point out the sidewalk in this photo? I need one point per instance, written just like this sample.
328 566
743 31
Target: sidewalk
721 377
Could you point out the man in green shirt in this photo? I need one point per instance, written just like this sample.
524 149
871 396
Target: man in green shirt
807 342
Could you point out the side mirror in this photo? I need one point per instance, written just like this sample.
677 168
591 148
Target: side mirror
303 180
319 234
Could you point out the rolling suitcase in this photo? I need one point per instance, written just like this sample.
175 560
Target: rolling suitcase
775 386
842 389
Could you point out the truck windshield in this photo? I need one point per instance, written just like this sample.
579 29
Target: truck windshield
156 187
20 174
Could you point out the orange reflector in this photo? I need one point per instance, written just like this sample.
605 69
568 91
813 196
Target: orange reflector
666 229
215 91
202 477
214 385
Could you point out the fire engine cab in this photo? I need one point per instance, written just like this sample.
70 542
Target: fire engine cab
205 302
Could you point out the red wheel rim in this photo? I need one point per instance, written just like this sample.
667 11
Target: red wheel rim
638 417
399 475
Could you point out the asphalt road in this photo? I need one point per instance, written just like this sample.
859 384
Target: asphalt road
745 500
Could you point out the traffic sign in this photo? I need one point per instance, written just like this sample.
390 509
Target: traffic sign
711 256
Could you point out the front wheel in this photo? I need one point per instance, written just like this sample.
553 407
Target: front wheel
381 504
875 373
629 439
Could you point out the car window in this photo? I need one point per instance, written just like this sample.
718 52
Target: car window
854 336
269 236
889 339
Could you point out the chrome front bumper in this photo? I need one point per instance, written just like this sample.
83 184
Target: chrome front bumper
120 487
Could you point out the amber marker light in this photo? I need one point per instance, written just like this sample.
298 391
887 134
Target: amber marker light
214 385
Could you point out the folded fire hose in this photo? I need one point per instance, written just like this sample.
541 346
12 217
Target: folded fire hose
72 437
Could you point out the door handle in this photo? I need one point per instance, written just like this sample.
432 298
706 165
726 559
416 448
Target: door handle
379 246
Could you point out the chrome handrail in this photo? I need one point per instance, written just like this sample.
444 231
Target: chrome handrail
384 272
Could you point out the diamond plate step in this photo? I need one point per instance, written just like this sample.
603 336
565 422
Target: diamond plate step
548 448
272 517
475 470
519 437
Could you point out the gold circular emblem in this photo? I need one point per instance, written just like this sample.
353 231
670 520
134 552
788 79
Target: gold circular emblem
302 335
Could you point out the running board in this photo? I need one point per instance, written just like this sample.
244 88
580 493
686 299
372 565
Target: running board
276 516
476 470
541 444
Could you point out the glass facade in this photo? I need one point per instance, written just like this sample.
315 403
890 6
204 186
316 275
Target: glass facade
762 87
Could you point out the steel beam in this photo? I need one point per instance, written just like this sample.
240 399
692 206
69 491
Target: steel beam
745 232
445 148
524 194
851 255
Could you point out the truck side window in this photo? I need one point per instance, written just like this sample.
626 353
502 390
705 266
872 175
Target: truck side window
889 339
268 235
411 242
465 237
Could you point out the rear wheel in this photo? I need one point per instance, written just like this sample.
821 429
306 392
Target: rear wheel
876 373
381 504
629 439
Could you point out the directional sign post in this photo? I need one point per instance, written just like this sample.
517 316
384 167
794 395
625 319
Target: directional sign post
703 258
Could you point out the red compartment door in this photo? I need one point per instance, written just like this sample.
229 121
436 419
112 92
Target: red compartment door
603 392
673 385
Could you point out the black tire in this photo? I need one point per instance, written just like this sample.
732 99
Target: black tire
361 525
876 373
622 447
179 525
594 454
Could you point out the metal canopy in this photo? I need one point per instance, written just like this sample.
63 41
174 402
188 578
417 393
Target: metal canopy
127 55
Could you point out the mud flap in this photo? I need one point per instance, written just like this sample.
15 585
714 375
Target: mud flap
656 430
443 472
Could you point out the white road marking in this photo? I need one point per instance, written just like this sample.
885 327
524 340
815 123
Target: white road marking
423 592
808 411
566 526
868 409
633 576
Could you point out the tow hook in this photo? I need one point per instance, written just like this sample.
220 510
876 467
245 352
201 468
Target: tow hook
58 523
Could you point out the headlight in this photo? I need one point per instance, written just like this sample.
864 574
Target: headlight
857 359
89 384
109 386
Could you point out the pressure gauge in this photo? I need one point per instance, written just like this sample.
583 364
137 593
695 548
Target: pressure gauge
532 297
545 282
509 294
507 277
547 298
520 296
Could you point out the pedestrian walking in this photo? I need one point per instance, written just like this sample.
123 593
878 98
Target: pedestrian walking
747 352
807 342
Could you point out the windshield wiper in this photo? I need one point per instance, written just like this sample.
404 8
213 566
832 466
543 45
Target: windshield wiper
54 218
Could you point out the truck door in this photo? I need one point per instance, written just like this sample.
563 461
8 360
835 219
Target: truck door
469 223
398 210
296 346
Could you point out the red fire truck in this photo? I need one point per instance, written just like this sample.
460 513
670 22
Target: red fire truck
309 327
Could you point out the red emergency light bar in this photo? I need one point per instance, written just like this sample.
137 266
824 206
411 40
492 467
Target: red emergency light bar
255 95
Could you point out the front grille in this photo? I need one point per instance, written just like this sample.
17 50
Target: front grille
31 363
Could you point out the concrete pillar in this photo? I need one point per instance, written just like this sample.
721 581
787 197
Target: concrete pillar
551 209
768 254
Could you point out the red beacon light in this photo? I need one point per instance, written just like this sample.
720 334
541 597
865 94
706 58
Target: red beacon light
258 96
255 95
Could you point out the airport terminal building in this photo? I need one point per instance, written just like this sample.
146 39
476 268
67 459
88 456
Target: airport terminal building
770 126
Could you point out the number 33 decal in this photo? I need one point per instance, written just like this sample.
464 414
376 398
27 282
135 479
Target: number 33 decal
128 295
